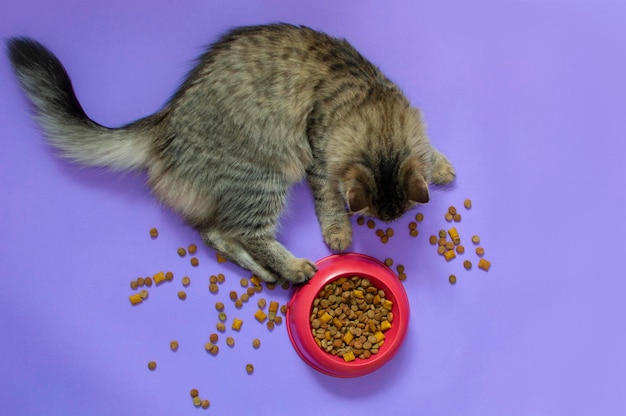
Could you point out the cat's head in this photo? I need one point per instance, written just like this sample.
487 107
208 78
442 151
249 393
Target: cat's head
385 164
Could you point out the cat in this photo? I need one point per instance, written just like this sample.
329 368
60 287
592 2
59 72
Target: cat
264 107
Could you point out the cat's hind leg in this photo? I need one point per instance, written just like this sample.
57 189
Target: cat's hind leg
235 252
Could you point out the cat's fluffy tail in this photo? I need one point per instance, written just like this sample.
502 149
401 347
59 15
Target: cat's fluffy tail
62 119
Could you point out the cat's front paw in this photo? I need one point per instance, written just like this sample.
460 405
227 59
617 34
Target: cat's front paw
338 237
443 172
302 270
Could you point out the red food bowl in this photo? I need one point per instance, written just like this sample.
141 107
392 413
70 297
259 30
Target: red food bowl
299 311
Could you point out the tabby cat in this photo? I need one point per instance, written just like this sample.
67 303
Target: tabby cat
264 107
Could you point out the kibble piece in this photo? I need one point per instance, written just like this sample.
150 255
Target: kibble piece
371 224
402 276
214 338
273 306
197 401
152 365
283 309
442 233
349 356
205 404
186 281
144 294
475 239
449 255
419 217
194 393
278 320
250 291
260 316
237 324
467 264
249 368
449 217
457 217
433 239
245 297
454 234
460 249
214 288
480 251
452 209
154 233
232 295
244 282
220 258
270 286
400 268
270 325
452 279
169 276
148 281
484 264
412 225
360 220
389 262
230 341
220 327
194 261
221 278
222 317
134 285
182 295
389 232
158 278
256 343
467 203
192 248
135 299
219 306
449 245
413 233
140 282
286 286
261 303
441 250
181 252
380 232
238 304
174 345
384 239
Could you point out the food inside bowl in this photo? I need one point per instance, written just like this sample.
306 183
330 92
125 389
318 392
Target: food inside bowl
349 318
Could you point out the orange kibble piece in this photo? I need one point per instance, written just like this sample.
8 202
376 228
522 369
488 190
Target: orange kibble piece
135 299
467 203
181 252
154 233
220 258
452 210
194 261
480 251
192 248
484 264
371 224
457 217
433 239
360 220
186 281
419 217
467 264
449 255
460 249
413 233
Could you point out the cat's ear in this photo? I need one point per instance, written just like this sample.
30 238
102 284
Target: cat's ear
357 198
415 185
356 191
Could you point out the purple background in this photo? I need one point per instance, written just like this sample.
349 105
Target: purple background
526 98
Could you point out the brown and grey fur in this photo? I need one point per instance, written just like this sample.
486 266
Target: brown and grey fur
265 107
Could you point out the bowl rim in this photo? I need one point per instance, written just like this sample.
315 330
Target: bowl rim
331 268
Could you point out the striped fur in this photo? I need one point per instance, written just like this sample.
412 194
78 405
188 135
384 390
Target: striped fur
264 107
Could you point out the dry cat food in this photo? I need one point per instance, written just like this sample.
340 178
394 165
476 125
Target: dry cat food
174 345
452 279
349 318
154 233
186 281
152 365
181 252
256 343
192 249
249 368
182 295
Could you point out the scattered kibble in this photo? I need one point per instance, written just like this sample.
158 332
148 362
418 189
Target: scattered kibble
159 278
169 276
449 217
414 233
194 393
244 282
197 402
205 404
135 299
186 281
467 264
221 278
230 341
194 261
181 252
237 324
154 233
148 281
174 345
192 249
283 309
214 288
467 203
475 239
460 249
480 251
452 279
256 343
220 327
419 217
249 368
220 258
152 365
360 221
182 295
261 303
371 224
214 338
433 240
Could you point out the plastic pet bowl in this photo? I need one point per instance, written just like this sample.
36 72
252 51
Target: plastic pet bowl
299 310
